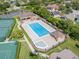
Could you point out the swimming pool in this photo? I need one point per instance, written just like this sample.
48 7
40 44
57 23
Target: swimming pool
41 44
39 29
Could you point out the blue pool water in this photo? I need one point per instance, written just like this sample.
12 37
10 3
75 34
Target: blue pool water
38 29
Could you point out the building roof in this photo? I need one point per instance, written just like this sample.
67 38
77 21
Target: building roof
58 35
72 15
56 13
8 50
53 6
26 15
65 54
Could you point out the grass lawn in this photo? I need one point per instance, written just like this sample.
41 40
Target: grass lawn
25 52
77 23
70 44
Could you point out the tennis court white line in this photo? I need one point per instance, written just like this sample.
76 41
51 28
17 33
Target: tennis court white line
7 39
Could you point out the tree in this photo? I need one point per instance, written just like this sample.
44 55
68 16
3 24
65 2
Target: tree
75 5
77 45
54 21
17 34
44 13
65 25
4 6
17 4
74 32
66 8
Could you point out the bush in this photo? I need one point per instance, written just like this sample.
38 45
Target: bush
77 45
31 54
75 32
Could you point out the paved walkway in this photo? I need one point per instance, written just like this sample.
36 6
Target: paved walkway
44 55
25 38
30 46
21 40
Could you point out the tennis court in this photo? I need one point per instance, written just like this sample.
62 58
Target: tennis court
6 25
6 22
8 50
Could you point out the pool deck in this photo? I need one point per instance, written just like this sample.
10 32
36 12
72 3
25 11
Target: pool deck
33 35
47 39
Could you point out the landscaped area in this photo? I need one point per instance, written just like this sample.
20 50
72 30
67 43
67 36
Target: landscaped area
43 36
16 34
39 29
25 52
68 44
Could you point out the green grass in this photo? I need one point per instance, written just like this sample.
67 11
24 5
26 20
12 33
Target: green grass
70 44
77 23
16 34
25 52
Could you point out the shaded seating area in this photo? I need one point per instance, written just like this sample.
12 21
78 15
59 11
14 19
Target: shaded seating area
58 36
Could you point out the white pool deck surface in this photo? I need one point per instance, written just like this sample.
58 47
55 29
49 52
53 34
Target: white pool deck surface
47 39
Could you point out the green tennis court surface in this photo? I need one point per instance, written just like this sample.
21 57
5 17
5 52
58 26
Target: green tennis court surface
8 50
6 25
